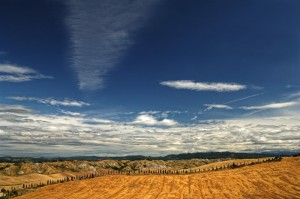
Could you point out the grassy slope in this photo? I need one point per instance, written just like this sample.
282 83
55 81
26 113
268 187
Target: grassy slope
268 180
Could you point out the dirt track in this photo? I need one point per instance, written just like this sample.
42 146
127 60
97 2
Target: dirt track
268 180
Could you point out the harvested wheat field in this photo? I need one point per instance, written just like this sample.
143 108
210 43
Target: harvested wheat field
267 180
17 181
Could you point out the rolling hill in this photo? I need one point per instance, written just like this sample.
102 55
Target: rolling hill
268 180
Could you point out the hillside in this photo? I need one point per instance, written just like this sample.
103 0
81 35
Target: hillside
17 174
48 168
267 180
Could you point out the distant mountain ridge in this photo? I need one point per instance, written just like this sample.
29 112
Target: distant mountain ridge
199 155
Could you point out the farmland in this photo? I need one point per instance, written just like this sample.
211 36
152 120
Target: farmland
267 180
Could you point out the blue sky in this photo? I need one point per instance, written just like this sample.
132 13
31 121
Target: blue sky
148 77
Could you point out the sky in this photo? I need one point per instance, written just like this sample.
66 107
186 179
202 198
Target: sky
148 77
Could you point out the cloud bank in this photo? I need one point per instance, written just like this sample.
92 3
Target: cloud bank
101 32
16 74
204 86
30 133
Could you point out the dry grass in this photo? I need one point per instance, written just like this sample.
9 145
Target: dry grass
225 163
17 181
268 180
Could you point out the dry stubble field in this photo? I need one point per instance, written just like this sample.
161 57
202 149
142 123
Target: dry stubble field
268 180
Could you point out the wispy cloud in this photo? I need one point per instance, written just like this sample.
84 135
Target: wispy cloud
151 121
149 112
155 112
271 106
51 101
194 118
225 106
292 86
204 86
244 98
14 73
101 32
294 95
163 114
218 106
71 113
255 87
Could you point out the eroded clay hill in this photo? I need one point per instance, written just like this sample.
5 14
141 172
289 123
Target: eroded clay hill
267 180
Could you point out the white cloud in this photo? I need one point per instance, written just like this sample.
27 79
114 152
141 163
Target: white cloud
34 134
97 121
14 108
50 101
194 118
218 106
204 86
271 106
72 113
162 114
101 32
14 73
11 69
151 121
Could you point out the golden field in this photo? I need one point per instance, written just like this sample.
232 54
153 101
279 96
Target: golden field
14 175
267 180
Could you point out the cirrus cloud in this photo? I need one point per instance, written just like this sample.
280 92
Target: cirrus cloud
101 32
51 101
271 106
